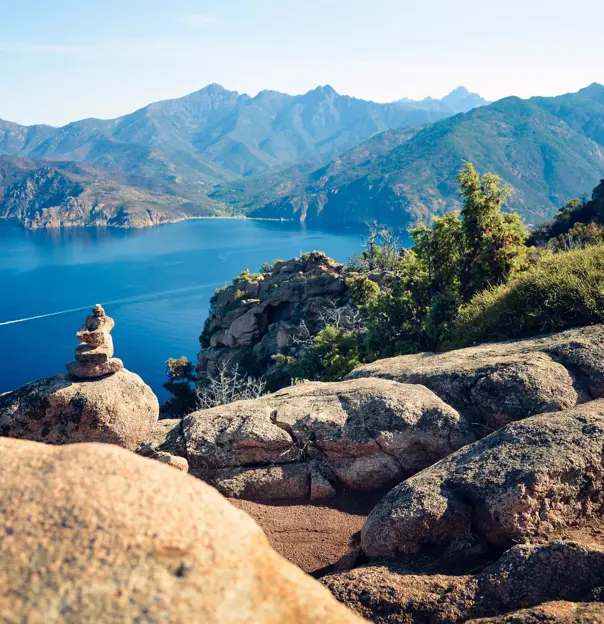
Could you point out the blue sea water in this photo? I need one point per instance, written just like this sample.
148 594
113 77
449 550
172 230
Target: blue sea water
156 283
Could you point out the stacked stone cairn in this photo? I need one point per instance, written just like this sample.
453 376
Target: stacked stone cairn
94 354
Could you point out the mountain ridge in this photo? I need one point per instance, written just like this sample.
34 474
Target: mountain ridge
215 135
548 149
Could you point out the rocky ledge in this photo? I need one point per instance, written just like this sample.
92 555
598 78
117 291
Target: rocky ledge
389 420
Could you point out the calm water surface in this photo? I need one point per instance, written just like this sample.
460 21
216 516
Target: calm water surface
156 284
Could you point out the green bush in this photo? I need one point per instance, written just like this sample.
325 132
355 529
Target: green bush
561 291
334 354
246 277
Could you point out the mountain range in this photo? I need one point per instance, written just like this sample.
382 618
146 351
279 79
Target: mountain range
215 134
318 157
184 148
548 149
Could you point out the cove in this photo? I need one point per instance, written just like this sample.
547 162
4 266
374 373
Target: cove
156 283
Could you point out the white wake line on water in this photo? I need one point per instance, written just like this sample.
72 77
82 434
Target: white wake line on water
115 302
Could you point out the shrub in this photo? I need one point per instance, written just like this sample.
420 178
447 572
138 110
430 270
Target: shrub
217 294
333 355
226 386
245 276
561 291
383 251
580 235
180 373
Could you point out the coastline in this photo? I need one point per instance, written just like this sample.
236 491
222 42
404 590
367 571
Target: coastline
17 223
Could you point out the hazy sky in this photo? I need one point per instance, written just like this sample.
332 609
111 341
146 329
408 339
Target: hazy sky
63 60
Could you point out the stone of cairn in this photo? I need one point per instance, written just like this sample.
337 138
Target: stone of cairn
94 354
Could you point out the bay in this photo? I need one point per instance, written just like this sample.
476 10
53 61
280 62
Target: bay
156 283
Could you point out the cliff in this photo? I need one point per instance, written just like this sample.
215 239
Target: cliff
261 315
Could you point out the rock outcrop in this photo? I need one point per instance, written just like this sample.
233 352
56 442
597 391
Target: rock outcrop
261 313
93 533
525 577
305 441
494 384
94 354
526 480
118 409
99 401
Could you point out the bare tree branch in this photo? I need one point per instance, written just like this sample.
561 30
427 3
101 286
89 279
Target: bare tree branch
227 386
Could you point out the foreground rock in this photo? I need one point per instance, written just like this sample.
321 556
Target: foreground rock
119 409
305 441
92 533
528 479
259 314
494 384
526 576
557 612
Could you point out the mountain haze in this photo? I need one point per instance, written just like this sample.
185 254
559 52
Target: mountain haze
548 149
215 135
460 100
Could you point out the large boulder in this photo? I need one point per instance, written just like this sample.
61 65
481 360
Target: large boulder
364 435
494 384
529 478
119 409
93 533
524 577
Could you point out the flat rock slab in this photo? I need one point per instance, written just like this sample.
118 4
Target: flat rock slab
363 434
94 370
94 533
120 409
529 478
494 384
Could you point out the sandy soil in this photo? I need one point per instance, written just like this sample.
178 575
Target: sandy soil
313 536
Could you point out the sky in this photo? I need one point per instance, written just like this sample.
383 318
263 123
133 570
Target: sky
70 59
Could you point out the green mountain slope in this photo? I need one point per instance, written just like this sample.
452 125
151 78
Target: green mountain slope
40 195
186 145
547 149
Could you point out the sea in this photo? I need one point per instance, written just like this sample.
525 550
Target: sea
155 282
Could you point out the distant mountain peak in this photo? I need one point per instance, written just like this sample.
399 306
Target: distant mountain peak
593 88
326 90
461 90
213 87
460 100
